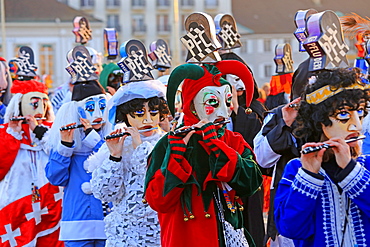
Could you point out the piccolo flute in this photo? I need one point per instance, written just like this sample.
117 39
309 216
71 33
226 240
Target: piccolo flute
23 118
182 131
295 106
308 150
126 133
75 126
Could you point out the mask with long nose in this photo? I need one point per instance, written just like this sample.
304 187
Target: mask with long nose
34 104
346 123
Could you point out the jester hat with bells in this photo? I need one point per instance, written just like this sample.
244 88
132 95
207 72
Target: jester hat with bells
196 77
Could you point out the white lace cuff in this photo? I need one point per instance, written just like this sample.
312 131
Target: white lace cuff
64 150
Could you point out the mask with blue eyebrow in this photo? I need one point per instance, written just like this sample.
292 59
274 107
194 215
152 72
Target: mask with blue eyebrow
92 108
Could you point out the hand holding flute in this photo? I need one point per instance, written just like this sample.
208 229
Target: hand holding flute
187 129
66 134
317 148
124 133
16 122
21 118
115 143
312 153
67 131
76 126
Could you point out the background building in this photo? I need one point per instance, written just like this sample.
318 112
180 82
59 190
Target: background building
149 20
271 22
46 26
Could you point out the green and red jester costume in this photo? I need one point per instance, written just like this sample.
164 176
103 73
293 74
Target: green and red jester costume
183 182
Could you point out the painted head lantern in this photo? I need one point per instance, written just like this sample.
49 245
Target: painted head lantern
140 102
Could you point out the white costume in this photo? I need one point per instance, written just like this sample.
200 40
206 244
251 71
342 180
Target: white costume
131 222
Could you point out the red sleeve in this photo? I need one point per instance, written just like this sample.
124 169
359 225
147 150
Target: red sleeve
9 147
163 190
225 153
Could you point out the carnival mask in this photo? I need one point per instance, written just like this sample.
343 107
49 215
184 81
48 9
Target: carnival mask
145 118
92 108
34 104
346 123
236 82
213 103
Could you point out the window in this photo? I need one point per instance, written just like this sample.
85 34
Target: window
211 3
87 3
267 70
163 3
244 47
113 22
46 67
138 24
113 3
267 45
63 1
187 2
138 3
163 23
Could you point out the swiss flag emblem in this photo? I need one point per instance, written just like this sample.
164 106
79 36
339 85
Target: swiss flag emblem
35 223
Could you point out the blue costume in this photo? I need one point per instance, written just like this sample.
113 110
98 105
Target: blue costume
329 201
82 215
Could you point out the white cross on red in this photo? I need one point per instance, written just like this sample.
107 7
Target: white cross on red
59 195
37 212
10 235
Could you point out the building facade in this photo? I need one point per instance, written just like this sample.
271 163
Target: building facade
149 20
46 26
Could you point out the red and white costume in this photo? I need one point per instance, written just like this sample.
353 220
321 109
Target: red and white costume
30 207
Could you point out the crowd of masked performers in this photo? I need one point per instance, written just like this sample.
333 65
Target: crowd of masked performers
137 167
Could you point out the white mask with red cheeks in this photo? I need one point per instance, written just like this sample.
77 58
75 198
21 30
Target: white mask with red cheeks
213 103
